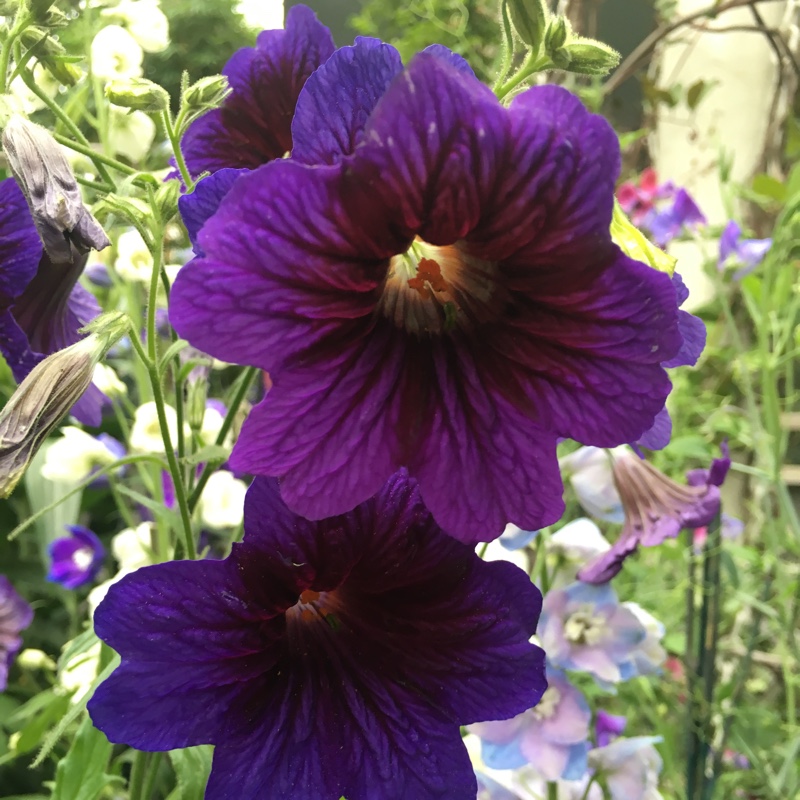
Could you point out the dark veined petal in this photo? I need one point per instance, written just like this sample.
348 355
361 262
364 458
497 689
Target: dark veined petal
338 98
372 629
20 246
254 124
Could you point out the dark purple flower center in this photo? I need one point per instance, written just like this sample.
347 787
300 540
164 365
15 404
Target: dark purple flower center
433 289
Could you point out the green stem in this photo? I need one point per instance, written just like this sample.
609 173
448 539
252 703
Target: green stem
172 461
136 780
27 78
532 64
585 795
552 790
245 382
690 667
96 157
20 23
151 775
508 45
166 118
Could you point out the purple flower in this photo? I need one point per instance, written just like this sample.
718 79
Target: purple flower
323 658
253 126
748 252
657 508
447 297
42 306
75 559
607 727
630 768
15 616
552 737
666 224
637 200
584 627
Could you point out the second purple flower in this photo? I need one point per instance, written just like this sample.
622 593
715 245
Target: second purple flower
442 293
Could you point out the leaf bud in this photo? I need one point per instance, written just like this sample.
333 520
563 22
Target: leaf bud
138 93
529 18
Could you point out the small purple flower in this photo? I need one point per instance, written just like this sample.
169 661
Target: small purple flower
253 126
664 225
748 252
42 306
552 737
630 767
656 508
75 559
414 310
15 616
608 727
584 628
362 642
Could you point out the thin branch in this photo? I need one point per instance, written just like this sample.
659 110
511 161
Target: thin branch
630 64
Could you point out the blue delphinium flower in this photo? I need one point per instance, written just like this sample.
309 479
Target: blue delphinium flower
414 310
630 767
75 559
552 737
747 252
323 659
585 628
42 306
15 616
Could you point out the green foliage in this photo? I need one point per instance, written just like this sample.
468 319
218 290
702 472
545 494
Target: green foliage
203 36
469 27
81 774
192 767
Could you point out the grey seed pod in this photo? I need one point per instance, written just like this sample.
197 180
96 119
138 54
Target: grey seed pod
54 198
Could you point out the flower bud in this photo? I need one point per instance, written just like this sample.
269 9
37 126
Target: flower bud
45 178
207 93
40 402
52 55
138 93
167 199
589 57
529 18
556 35
31 659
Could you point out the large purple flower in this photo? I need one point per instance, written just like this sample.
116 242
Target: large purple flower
15 616
254 124
42 306
656 508
446 297
323 659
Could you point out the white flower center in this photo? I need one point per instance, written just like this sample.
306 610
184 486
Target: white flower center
585 627
83 558
547 705
433 289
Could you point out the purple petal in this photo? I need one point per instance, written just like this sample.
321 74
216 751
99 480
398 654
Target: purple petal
728 242
68 555
657 438
254 124
456 61
336 101
15 616
608 726
692 330
20 246
196 208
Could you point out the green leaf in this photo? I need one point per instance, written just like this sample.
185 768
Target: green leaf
768 186
192 767
697 91
212 453
81 774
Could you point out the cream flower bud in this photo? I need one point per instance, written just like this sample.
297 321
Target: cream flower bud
146 430
108 382
222 502
75 455
134 261
116 54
